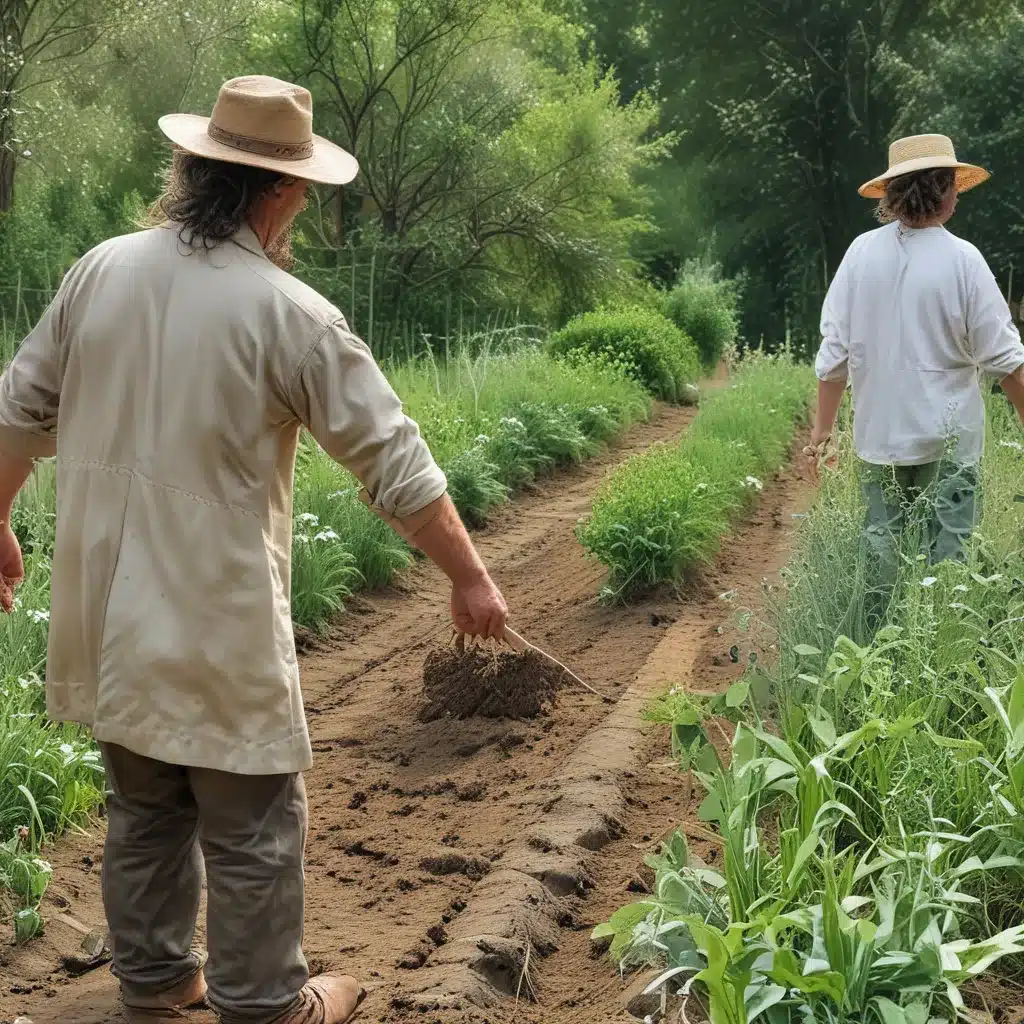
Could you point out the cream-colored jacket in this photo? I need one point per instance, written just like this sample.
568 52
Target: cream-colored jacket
172 386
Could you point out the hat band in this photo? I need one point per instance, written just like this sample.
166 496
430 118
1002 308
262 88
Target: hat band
280 150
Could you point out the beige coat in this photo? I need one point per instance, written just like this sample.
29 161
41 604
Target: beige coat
172 386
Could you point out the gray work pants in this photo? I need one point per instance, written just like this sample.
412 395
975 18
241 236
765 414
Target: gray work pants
251 831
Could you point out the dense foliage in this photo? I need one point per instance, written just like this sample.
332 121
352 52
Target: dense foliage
647 345
497 161
705 307
781 110
869 806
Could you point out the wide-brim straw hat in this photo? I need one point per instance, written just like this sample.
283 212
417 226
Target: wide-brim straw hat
922 153
263 122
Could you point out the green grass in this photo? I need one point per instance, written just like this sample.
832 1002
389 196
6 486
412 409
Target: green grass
50 774
665 511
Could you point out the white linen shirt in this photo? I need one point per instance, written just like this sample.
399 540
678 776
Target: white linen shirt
913 318
172 386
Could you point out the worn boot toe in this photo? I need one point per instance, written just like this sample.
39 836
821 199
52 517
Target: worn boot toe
326 999
167 1005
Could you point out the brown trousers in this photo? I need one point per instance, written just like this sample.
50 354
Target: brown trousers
164 821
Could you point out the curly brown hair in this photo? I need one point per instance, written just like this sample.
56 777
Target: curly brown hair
915 199
211 199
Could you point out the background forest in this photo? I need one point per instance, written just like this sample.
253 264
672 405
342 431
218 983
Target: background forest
522 160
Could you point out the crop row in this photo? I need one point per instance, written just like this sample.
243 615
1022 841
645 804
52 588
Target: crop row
664 512
867 788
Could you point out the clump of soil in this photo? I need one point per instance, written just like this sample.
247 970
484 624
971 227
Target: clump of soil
489 684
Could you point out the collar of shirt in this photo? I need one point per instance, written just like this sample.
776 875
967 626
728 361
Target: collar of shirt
247 239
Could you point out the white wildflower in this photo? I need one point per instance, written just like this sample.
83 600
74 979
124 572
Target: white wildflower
1015 445
308 517
481 439
929 581
39 615
752 481
327 535
700 488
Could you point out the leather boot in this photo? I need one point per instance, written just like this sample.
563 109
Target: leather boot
167 1005
326 999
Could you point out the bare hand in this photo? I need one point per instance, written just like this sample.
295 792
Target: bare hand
479 609
816 452
12 568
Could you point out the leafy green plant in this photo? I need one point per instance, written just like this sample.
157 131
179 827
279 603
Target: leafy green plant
794 926
704 306
26 875
639 340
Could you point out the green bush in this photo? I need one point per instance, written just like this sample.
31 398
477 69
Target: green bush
704 306
647 345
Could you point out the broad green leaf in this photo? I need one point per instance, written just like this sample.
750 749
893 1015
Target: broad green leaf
853 903
759 998
973 864
823 728
806 651
803 855
888 1011
737 694
779 746
711 808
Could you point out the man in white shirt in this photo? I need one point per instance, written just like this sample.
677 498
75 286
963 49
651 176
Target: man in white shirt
912 320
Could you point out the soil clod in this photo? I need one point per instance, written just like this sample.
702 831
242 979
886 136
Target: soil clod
489 684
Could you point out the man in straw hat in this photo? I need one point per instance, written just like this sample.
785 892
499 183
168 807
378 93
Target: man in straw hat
171 376
912 320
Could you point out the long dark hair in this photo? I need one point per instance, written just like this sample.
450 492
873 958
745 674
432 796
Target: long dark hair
210 199
917 198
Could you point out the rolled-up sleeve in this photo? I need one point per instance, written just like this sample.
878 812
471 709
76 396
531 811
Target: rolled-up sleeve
832 362
30 388
346 403
991 333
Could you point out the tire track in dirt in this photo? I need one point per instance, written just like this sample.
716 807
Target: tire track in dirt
406 819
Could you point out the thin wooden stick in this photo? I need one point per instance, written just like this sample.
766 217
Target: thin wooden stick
514 640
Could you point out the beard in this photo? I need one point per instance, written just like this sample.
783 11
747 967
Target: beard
279 252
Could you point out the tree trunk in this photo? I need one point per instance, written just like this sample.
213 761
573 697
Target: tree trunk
7 159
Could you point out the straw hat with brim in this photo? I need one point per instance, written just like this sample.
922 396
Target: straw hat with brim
923 153
263 122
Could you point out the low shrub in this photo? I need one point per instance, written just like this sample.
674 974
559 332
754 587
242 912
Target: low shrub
643 342
704 306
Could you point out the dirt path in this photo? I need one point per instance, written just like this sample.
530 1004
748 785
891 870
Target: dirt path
436 851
